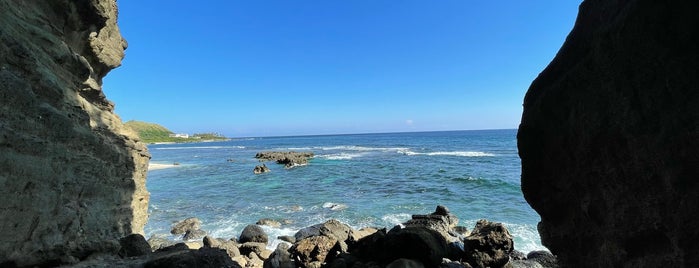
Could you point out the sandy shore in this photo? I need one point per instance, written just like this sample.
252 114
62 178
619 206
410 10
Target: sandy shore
155 166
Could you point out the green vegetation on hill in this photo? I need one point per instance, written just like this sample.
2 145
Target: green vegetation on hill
154 133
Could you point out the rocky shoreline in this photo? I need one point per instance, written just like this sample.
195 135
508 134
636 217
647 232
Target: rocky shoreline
432 240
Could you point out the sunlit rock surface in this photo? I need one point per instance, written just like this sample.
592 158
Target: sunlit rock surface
72 179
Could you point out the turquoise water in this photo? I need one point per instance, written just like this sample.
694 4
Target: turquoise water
376 180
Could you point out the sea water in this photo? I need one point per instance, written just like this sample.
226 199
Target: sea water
363 180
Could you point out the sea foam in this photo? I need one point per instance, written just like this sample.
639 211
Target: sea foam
457 153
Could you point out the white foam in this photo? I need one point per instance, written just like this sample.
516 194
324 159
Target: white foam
335 206
348 148
340 156
457 153
396 219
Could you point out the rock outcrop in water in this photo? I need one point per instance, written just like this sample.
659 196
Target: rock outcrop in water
71 177
610 134
288 159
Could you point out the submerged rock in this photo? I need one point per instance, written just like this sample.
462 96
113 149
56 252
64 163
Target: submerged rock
260 169
269 222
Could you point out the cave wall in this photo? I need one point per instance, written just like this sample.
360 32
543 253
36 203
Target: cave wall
72 179
609 138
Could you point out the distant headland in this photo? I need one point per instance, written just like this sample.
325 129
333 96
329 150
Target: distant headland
154 133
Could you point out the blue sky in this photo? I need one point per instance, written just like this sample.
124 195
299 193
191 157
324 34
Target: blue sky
267 68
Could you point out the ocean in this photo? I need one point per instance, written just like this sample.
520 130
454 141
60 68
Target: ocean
364 180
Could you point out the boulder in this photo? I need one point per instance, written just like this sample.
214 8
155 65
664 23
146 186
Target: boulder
231 247
441 221
157 242
260 249
134 245
545 258
356 235
525 264
489 245
260 169
194 234
417 243
189 224
609 138
332 228
280 258
204 257
312 251
269 222
253 233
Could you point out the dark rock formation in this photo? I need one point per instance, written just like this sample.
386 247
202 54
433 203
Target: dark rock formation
312 251
269 222
253 233
194 234
288 159
260 169
280 258
331 228
610 134
72 178
545 258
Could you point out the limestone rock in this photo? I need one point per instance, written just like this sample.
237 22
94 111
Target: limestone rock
312 251
331 228
253 233
72 178
489 245
609 138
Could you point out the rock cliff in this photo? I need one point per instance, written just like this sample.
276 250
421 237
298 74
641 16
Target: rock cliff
72 180
610 134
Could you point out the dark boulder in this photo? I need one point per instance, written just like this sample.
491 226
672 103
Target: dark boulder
312 251
421 244
405 263
288 159
280 258
253 233
545 258
489 245
134 245
609 138
331 228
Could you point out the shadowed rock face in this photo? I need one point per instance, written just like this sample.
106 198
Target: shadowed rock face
610 134
71 178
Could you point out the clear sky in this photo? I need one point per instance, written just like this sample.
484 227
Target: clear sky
268 68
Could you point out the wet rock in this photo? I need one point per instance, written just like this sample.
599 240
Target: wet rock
260 169
545 258
172 248
189 224
231 247
489 245
134 245
253 233
194 234
204 257
462 230
517 255
312 251
441 221
269 222
332 228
